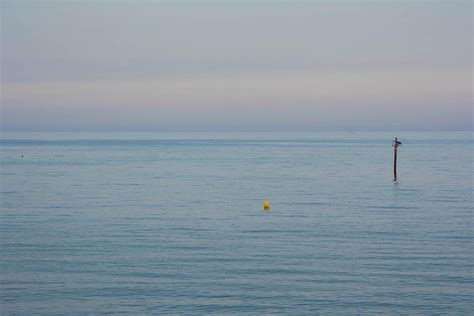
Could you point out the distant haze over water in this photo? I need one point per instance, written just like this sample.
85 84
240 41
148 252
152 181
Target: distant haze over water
236 65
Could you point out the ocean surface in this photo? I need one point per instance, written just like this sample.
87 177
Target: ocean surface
173 223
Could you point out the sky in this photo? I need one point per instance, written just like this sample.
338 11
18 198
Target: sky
236 65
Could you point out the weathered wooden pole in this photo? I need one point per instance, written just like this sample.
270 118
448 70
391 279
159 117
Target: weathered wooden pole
396 143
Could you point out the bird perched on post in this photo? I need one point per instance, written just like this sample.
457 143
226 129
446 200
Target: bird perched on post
396 143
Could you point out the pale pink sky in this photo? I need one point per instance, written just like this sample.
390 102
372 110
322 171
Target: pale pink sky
207 65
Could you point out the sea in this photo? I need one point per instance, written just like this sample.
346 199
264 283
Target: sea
173 223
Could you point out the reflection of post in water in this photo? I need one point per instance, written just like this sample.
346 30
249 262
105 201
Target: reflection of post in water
396 143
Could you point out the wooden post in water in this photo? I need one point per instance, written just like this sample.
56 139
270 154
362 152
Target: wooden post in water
396 143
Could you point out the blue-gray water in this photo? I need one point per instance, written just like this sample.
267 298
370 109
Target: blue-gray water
173 223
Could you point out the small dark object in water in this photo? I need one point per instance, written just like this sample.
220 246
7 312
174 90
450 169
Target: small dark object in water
396 143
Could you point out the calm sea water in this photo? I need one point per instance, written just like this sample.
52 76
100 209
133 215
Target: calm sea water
173 223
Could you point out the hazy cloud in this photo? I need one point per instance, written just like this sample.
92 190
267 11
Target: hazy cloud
225 65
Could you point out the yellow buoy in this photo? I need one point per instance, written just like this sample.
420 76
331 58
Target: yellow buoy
266 205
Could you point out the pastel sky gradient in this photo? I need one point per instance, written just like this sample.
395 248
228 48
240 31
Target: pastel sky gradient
236 65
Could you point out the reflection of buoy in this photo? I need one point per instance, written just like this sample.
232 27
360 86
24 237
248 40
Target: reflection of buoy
266 205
